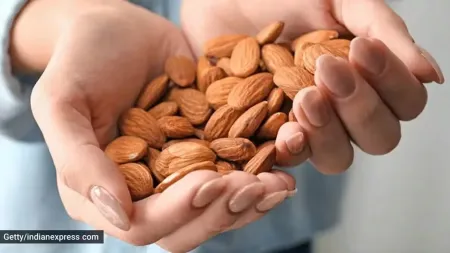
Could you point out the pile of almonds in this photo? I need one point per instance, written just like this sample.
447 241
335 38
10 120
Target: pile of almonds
222 114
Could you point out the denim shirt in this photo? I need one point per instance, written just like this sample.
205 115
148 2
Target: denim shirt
29 197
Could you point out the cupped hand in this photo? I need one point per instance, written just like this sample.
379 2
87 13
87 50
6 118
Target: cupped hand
97 70
362 100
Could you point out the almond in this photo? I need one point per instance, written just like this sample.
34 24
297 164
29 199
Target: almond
292 79
152 155
180 155
265 144
177 176
176 126
201 142
193 105
137 122
270 33
162 109
152 92
315 37
125 149
138 179
244 60
313 52
217 92
208 76
247 124
263 161
224 63
269 129
286 45
220 122
340 44
292 116
275 101
199 133
262 66
225 168
233 149
250 91
222 46
181 70
203 63
299 50
275 57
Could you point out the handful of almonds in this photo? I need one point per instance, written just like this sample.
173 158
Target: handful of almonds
222 114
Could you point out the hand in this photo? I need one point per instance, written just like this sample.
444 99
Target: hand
362 100
101 61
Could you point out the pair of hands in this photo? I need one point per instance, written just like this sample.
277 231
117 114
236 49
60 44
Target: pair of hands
101 55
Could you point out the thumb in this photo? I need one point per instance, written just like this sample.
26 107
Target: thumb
80 163
374 18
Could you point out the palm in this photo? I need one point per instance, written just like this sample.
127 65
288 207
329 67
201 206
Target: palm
202 19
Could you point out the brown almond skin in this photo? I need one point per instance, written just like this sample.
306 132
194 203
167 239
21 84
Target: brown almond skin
152 155
152 92
222 46
208 76
292 79
162 109
313 52
339 44
180 155
250 91
244 60
137 122
126 149
139 180
315 37
217 93
220 122
275 101
199 133
201 142
263 161
269 129
270 33
275 57
224 167
247 124
265 144
224 63
202 64
181 70
193 105
233 149
177 176
299 51
176 126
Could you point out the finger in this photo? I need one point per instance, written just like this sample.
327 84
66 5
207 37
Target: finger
81 164
367 18
368 120
276 191
330 145
292 145
243 191
388 75
160 214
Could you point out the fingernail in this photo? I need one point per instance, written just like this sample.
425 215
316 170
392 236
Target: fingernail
314 107
109 207
208 192
292 193
336 77
438 75
296 143
245 197
369 56
271 200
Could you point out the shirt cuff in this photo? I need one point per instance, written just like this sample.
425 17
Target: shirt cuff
14 97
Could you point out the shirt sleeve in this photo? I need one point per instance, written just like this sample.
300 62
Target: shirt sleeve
14 94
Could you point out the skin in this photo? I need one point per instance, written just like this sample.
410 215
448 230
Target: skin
85 87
